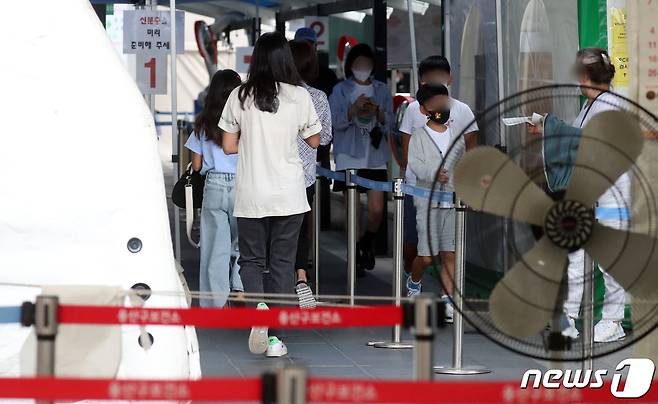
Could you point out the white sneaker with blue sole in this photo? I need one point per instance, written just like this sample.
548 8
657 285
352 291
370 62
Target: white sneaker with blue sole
413 288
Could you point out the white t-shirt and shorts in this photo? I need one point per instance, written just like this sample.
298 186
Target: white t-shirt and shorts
461 117
442 235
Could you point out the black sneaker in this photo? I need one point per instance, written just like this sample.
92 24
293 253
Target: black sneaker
366 256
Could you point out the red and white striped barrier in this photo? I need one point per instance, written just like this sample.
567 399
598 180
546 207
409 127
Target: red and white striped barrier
318 390
334 317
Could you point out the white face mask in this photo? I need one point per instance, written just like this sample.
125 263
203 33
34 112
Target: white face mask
361 75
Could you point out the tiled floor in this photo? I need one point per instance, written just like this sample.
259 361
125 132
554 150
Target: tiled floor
343 352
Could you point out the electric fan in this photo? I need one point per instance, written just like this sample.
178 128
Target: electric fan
531 294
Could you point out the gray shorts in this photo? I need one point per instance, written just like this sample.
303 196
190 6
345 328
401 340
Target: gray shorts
442 232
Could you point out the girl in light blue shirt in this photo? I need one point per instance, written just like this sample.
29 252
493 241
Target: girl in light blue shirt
219 270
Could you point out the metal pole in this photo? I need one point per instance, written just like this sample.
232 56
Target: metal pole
45 326
424 328
291 385
458 326
413 86
501 64
501 126
398 198
174 123
257 21
316 236
351 233
446 29
588 313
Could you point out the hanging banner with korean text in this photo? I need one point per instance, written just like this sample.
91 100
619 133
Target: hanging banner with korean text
149 31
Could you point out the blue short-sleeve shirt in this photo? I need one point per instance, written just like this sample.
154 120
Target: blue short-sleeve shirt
214 158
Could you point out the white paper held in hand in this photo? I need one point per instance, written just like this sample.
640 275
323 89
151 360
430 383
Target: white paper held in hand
535 119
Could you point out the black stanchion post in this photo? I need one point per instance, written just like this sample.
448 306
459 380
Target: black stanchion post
45 326
286 385
351 232
316 235
425 319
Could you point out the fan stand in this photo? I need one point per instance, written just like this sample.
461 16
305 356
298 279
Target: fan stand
457 368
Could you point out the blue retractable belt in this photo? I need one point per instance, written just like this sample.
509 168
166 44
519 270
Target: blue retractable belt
423 193
323 172
10 315
374 185
437 196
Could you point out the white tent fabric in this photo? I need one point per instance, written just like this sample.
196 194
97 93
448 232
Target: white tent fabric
82 177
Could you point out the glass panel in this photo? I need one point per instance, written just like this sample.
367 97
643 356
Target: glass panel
427 23
541 40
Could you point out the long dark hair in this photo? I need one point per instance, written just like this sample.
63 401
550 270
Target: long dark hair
306 60
271 63
362 49
221 85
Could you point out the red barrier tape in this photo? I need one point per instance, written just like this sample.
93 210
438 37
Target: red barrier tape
373 316
357 391
319 390
233 389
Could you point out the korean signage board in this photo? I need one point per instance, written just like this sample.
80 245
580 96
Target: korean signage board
151 73
321 27
149 32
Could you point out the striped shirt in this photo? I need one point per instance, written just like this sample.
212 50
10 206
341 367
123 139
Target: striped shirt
308 154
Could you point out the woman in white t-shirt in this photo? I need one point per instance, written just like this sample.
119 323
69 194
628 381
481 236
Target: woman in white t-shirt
218 267
261 121
362 113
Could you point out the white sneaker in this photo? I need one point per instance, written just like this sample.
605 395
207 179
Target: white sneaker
258 342
449 309
571 331
276 348
608 331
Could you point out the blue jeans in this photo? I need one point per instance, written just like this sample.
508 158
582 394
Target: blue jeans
219 270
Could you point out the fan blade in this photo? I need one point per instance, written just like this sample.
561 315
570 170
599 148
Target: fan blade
631 258
608 147
487 180
523 302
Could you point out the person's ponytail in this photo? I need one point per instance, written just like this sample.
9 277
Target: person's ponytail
596 64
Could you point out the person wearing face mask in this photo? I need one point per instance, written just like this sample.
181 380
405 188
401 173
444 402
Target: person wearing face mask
428 152
431 70
362 112
594 72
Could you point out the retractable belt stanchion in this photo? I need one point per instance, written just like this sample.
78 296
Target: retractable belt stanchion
588 313
45 326
457 367
316 235
425 319
398 198
286 385
351 232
